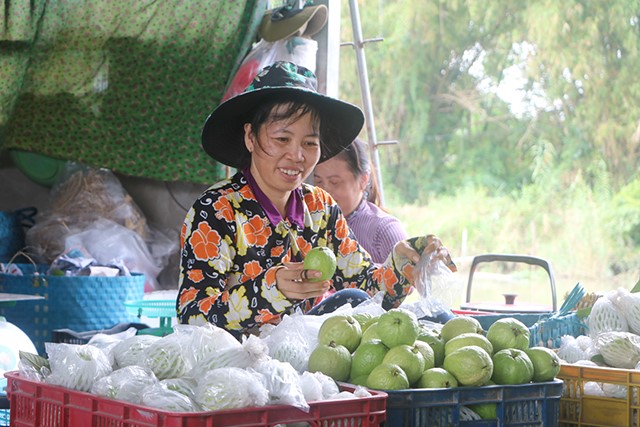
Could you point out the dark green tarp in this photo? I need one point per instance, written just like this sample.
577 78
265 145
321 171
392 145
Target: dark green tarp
120 84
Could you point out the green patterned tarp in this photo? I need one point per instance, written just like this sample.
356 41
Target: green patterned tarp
120 84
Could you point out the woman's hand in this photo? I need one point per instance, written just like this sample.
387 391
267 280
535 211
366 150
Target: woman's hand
433 244
294 282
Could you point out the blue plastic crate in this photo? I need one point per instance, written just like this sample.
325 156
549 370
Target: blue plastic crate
535 404
4 404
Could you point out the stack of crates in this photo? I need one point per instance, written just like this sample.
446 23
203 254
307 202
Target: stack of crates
583 404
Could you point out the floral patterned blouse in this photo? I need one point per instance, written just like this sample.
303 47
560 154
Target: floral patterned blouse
231 252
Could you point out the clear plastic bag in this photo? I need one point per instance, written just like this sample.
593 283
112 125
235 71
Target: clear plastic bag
283 383
299 50
437 287
91 211
126 384
76 366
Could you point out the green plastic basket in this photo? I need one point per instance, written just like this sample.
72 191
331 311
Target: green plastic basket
152 308
164 309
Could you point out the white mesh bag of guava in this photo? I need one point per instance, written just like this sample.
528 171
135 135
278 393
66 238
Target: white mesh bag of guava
619 349
628 303
605 317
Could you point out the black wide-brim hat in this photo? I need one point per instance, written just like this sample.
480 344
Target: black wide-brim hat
223 132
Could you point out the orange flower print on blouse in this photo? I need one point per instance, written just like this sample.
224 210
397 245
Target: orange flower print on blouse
270 277
251 270
342 229
256 231
265 316
246 192
187 296
350 285
205 304
303 245
217 253
195 276
348 246
183 234
407 270
277 251
204 242
223 209
386 276
314 204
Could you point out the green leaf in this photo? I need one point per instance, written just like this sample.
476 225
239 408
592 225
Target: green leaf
583 312
35 361
598 360
636 287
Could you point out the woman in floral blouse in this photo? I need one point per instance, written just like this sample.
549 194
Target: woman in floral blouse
244 239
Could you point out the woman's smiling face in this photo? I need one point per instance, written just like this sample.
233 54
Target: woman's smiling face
283 152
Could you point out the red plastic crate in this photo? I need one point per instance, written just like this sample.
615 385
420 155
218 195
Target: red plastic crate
36 404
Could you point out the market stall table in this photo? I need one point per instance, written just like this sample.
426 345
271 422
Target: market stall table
11 299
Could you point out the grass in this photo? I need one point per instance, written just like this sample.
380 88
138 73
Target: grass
574 235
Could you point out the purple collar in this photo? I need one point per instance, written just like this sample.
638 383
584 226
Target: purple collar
295 205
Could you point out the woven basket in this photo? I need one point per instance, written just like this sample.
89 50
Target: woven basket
12 234
80 303
549 332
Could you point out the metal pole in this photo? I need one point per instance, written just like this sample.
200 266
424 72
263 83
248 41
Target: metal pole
358 45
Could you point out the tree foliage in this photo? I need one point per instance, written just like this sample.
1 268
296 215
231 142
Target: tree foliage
439 84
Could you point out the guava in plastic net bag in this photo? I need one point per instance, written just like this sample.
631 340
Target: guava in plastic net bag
251 351
206 340
166 356
76 366
230 388
130 351
126 384
283 383
161 397
292 340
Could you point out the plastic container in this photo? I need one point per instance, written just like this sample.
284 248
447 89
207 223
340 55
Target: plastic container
12 341
163 309
544 330
73 337
79 303
4 404
516 405
36 404
578 408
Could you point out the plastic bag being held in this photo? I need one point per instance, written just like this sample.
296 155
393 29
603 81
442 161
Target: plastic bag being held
437 288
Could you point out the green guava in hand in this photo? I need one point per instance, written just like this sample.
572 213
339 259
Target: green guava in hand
322 259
